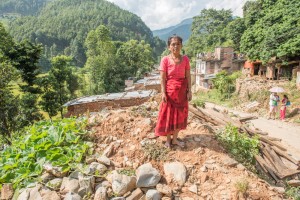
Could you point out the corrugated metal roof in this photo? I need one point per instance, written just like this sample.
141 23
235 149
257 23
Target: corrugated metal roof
111 96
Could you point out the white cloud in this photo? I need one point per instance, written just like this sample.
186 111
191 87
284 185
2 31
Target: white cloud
159 14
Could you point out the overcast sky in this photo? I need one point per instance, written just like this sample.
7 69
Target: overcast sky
158 14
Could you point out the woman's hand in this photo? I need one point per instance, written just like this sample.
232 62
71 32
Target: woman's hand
189 95
164 97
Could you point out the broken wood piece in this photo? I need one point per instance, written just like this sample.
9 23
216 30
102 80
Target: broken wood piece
201 115
285 155
273 138
273 143
265 165
220 117
281 170
243 119
254 132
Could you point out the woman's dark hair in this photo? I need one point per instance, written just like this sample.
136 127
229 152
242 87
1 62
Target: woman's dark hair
285 96
174 36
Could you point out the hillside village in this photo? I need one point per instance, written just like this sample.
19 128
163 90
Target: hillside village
81 91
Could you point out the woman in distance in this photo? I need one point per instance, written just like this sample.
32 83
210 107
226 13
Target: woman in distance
175 93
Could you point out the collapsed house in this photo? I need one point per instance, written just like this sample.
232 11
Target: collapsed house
208 65
96 103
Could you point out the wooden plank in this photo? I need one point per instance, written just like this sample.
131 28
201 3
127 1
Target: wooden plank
273 143
205 116
264 165
272 138
244 119
285 155
223 117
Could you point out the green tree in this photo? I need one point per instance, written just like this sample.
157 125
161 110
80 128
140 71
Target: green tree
49 99
103 73
56 85
6 41
9 104
234 31
276 33
208 30
136 57
25 57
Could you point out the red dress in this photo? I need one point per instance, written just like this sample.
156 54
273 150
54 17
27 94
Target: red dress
174 113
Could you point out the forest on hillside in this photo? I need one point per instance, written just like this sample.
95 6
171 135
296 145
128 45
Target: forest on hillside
62 26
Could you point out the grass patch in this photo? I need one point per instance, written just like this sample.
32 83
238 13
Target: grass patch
242 186
156 152
293 192
127 172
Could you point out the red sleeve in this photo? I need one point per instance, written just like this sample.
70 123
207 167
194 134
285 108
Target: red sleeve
163 64
187 66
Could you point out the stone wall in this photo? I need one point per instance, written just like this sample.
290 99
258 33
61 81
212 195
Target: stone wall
244 87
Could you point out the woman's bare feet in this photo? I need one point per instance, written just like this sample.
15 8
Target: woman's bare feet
178 143
168 145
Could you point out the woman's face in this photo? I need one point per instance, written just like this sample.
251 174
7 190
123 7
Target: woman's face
175 46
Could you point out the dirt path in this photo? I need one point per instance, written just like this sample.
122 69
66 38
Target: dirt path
289 133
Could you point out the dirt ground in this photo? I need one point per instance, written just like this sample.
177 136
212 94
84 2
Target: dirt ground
211 172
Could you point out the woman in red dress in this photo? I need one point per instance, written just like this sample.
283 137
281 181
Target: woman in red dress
175 91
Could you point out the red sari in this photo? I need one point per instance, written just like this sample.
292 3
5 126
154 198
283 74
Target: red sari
173 114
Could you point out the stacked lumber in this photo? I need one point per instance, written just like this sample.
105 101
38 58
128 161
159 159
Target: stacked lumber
273 158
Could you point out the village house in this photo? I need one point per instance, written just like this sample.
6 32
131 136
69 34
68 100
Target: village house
275 69
209 64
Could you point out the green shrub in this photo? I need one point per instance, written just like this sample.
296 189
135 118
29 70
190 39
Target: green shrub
240 145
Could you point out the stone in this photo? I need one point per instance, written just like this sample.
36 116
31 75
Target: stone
51 195
147 176
69 185
24 194
34 194
54 184
230 162
72 196
121 183
135 195
193 189
7 191
164 189
153 195
294 183
104 160
47 177
175 171
101 194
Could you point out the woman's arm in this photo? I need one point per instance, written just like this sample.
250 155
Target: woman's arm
163 86
189 88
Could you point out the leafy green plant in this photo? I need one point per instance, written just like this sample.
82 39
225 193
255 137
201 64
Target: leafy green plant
58 143
225 83
242 147
199 102
156 151
293 192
